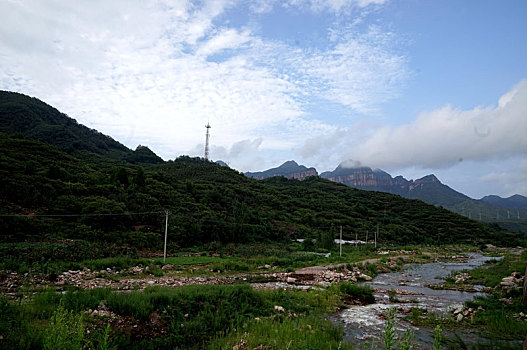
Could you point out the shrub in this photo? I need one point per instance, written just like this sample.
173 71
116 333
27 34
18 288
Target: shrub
355 291
66 331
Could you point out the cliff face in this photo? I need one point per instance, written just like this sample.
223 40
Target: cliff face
290 170
367 179
377 180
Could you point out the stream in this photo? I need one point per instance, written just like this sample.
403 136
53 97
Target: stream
364 323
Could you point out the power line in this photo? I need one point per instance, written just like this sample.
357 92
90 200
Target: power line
78 215
194 220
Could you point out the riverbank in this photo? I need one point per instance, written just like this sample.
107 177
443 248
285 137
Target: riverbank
263 302
469 320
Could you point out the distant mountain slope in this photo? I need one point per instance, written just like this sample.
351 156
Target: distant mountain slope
513 202
289 169
428 188
36 120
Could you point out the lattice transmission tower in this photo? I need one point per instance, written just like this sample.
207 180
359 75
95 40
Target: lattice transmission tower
207 136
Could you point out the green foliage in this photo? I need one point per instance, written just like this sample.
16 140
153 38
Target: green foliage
15 331
65 332
408 340
390 331
230 266
34 119
57 256
492 273
326 239
301 333
392 295
363 293
437 338
108 193
498 316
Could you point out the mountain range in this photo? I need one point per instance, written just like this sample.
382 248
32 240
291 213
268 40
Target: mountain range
509 212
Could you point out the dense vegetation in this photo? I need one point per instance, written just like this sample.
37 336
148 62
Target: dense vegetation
120 202
172 318
83 185
34 119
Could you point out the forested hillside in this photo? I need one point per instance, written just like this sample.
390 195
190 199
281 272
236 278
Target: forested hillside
34 119
207 202
59 179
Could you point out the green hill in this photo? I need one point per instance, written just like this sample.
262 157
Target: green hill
34 119
50 191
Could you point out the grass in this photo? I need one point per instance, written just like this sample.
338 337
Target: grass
357 292
288 333
220 316
194 316
189 260
492 274
498 317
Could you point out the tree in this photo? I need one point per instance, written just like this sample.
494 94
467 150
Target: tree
139 178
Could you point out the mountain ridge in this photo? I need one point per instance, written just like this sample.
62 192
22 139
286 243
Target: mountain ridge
513 202
289 169
432 191
36 120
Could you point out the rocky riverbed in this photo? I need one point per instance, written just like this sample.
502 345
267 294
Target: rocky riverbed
409 289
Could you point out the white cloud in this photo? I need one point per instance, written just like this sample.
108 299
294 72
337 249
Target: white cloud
225 39
335 6
153 79
513 181
446 136
360 71
262 6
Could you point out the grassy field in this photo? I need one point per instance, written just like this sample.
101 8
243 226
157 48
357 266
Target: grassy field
185 317
224 316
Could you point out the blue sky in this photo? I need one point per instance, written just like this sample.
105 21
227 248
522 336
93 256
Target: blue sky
411 87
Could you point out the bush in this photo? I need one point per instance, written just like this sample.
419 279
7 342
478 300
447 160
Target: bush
66 331
355 291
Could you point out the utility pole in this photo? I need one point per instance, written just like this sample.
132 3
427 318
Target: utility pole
340 241
366 237
356 239
376 234
167 213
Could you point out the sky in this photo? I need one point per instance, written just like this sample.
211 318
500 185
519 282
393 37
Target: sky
412 87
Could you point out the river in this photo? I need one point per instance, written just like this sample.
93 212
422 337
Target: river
365 323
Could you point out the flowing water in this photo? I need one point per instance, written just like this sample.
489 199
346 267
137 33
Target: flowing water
365 323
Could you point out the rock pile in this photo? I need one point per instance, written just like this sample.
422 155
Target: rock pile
461 313
461 278
9 281
514 281
324 278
